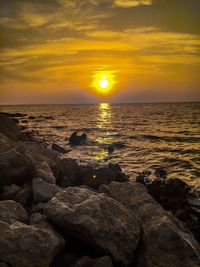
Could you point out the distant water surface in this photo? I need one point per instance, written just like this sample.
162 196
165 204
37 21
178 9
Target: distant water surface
146 136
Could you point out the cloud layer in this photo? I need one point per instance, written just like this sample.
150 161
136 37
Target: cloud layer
60 45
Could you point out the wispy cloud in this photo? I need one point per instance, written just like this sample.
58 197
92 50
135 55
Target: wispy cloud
132 3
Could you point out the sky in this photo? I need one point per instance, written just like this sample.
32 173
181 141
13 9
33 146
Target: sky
53 50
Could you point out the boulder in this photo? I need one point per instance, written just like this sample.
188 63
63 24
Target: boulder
101 223
23 245
11 211
71 173
43 171
43 191
89 262
15 168
10 129
165 242
103 175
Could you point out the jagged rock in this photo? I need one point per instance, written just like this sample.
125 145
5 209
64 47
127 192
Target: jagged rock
10 129
43 171
165 242
24 245
101 223
71 172
104 175
43 191
99 262
59 149
11 211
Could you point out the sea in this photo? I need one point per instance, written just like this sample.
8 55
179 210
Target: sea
144 137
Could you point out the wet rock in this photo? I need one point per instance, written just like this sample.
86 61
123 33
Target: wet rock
165 242
71 173
89 262
76 139
43 171
11 211
24 245
104 175
43 191
101 223
10 129
59 149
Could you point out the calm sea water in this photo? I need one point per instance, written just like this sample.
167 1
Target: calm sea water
146 136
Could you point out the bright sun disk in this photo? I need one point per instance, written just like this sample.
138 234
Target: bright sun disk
103 83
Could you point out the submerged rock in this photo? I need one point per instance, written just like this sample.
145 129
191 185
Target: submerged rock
101 223
165 242
76 139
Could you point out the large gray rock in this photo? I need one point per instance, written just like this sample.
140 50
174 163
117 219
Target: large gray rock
100 222
165 242
28 246
11 211
43 191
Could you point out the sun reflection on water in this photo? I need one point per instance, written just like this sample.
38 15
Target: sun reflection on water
104 123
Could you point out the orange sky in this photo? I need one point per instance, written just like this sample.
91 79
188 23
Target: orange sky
51 53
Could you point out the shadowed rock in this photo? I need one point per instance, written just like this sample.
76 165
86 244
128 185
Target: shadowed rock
11 211
165 242
43 191
24 245
59 149
100 222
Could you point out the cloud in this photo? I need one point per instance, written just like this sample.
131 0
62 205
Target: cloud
132 3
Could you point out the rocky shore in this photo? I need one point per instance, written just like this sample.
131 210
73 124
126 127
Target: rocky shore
57 213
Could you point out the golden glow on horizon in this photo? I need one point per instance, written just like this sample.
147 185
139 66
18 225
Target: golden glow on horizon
103 82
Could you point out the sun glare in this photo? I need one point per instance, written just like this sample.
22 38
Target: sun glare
103 81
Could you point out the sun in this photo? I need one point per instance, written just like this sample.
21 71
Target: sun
103 82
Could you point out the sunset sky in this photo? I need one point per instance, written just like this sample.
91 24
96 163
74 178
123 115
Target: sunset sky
52 51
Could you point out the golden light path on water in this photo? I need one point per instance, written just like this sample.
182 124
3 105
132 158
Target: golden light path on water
104 123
